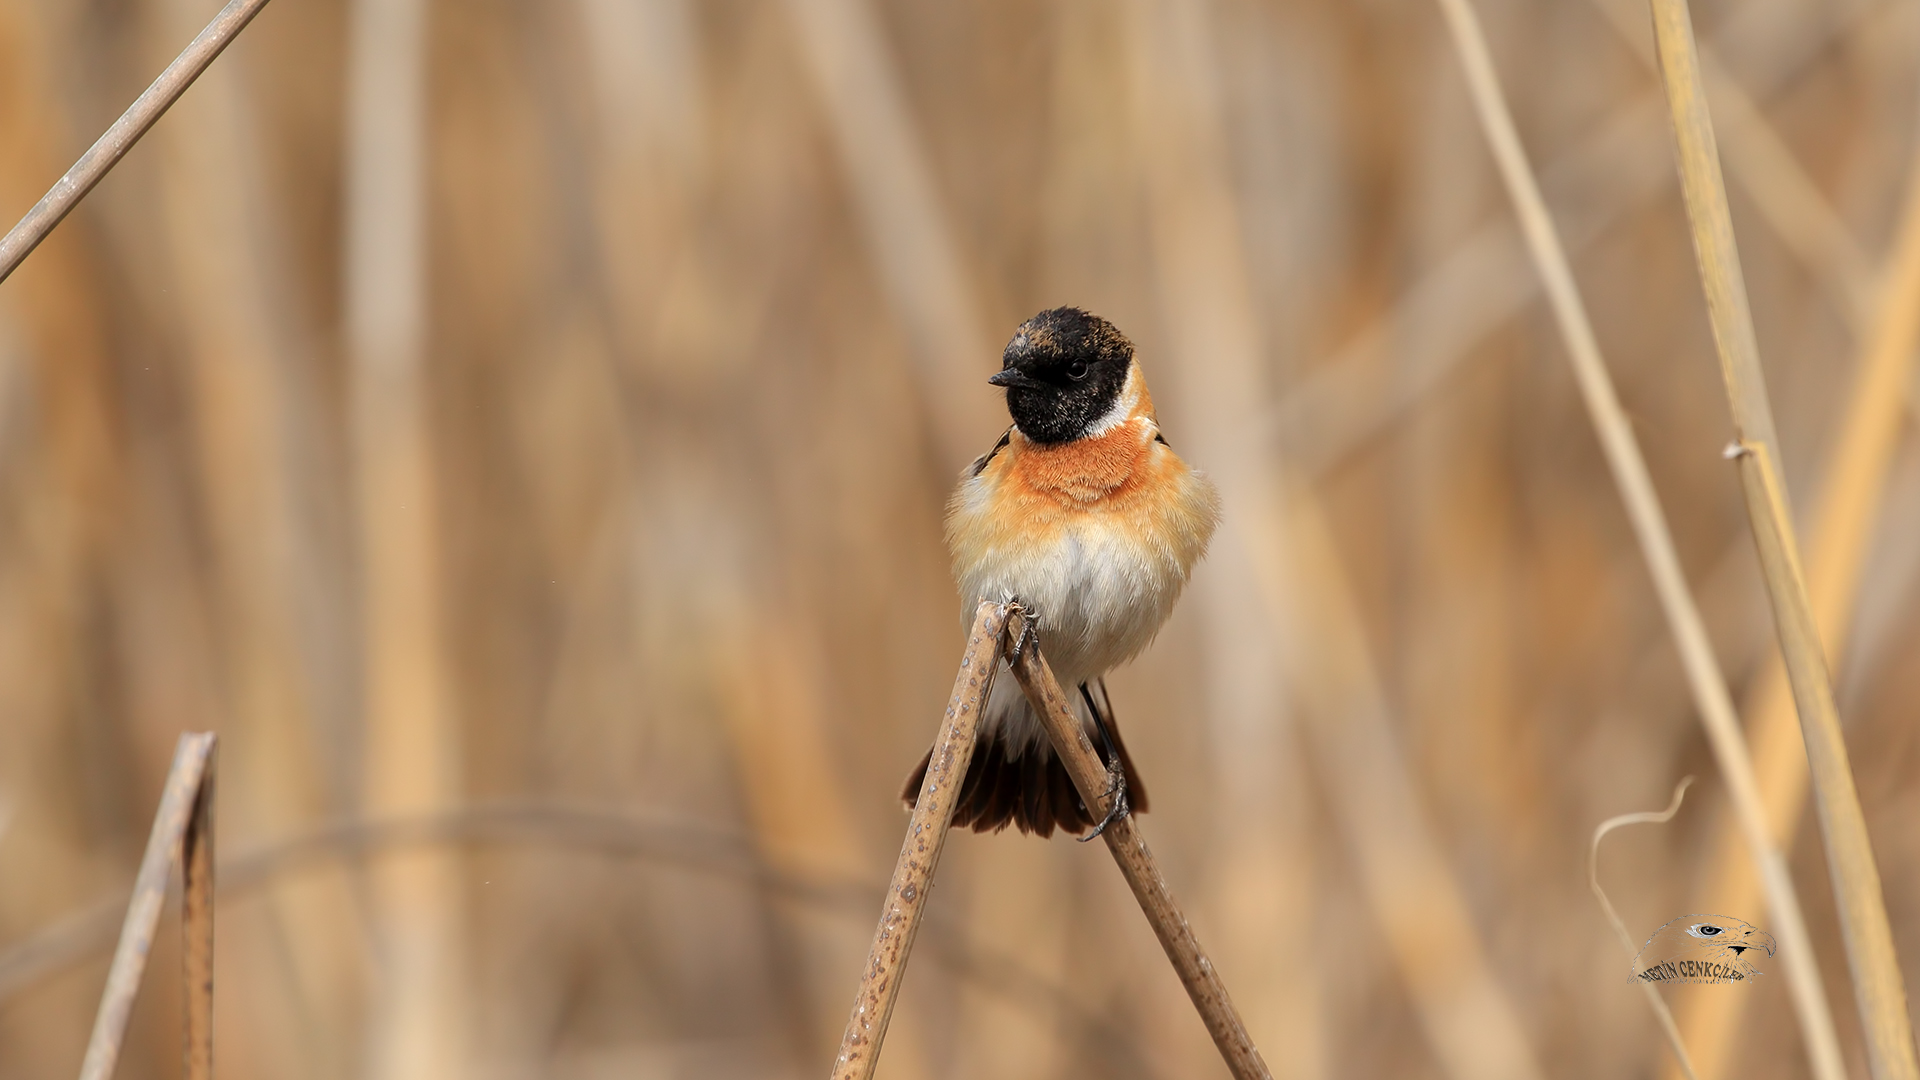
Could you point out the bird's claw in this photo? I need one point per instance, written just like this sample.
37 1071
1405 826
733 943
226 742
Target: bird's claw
1118 807
1029 631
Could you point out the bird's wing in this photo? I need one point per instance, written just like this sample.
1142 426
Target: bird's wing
980 463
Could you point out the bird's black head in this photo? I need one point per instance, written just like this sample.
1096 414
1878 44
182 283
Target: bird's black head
1063 371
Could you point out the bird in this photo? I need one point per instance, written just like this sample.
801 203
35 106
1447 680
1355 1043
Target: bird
1083 514
1702 949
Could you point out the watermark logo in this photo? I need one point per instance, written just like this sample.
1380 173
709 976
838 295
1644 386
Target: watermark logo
1703 949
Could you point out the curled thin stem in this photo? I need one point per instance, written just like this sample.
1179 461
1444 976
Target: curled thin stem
1654 1001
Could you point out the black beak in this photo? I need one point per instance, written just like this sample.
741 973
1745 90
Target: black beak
1012 377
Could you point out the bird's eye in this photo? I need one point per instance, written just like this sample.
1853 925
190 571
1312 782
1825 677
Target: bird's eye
1705 930
1077 370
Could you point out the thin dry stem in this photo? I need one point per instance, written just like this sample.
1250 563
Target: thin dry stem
1619 929
1216 354
107 151
1705 193
1878 986
1136 863
1762 164
1337 408
1417 899
1215 333
1654 1001
664 841
912 882
1843 532
906 226
196 923
1629 467
181 810
413 750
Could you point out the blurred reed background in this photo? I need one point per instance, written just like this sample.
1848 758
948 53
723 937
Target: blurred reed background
529 423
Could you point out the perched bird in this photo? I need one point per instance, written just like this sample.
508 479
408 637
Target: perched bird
1085 516
1702 949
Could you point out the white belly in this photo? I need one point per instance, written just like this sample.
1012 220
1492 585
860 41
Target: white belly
1101 595
1095 538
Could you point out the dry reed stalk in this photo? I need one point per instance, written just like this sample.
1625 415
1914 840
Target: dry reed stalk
1258 898
413 754
912 883
197 892
922 263
1760 161
72 396
1843 531
1486 279
1414 895
1130 853
1878 987
279 577
776 720
1649 520
663 302
665 841
907 233
884 164
107 151
1201 269
182 833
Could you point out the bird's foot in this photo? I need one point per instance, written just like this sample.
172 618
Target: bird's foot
1117 807
1029 630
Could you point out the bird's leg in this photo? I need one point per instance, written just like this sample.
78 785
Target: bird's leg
1116 772
1029 630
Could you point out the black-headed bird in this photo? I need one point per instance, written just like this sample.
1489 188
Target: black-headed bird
1084 515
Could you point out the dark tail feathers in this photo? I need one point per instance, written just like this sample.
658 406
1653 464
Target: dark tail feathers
1032 792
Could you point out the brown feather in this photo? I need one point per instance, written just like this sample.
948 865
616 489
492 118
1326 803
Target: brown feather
1033 792
1035 814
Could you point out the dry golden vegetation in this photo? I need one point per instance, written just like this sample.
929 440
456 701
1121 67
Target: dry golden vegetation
521 430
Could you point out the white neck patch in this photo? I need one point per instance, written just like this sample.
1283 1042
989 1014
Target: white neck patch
1123 406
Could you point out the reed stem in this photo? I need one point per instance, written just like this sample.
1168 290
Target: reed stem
1878 987
912 883
1842 534
196 922
107 150
1136 862
1629 467
185 812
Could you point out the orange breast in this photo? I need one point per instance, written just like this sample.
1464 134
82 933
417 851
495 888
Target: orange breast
1124 485
1098 536
1082 471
